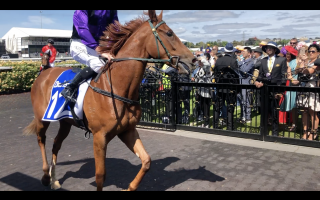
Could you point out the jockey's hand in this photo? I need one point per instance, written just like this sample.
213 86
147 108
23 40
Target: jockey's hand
105 55
108 56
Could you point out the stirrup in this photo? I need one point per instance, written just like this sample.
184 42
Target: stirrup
71 97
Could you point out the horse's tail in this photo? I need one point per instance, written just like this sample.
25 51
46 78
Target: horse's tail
31 128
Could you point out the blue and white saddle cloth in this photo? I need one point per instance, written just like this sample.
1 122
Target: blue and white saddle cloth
58 108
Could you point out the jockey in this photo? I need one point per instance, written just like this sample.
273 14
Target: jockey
51 51
88 27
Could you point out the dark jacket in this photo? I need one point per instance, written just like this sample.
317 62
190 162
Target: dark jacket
278 71
225 67
226 64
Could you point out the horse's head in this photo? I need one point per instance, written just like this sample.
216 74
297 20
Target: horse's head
163 43
45 60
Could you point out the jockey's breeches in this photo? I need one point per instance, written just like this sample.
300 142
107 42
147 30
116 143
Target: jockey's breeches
85 55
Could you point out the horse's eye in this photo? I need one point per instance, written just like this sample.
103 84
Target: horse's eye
169 33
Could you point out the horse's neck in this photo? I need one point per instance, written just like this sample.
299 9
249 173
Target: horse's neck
126 76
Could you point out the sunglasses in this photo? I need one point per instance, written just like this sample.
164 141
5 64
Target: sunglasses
312 51
293 43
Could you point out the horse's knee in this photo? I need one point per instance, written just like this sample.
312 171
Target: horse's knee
146 163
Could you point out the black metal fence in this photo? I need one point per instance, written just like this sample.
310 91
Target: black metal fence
285 114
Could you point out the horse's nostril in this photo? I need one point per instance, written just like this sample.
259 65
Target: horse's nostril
194 60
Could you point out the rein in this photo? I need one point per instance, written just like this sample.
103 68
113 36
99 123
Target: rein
157 38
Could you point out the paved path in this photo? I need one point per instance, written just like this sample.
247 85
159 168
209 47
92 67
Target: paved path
180 160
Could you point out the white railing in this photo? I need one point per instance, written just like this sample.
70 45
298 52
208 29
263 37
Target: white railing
8 68
23 43
34 59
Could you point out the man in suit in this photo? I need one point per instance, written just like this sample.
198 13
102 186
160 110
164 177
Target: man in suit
272 71
225 72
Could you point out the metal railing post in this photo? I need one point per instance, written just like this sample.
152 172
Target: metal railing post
264 106
174 101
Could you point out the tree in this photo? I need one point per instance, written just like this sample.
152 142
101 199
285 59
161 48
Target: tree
189 44
257 42
200 44
235 43
250 42
223 43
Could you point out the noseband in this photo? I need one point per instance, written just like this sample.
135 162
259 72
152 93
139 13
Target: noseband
157 38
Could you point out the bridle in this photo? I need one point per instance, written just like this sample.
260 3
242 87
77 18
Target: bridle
170 60
157 38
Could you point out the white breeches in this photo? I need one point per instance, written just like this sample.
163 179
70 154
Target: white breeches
85 55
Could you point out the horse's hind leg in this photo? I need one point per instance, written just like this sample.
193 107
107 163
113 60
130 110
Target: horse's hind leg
41 128
62 134
132 140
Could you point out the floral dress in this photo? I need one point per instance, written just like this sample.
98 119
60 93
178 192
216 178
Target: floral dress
309 99
204 75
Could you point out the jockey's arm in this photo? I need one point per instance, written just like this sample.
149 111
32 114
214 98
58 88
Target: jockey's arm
43 50
53 56
80 21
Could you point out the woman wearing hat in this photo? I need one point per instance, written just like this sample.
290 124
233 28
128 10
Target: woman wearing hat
289 103
310 101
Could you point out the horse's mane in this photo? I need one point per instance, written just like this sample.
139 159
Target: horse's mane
116 34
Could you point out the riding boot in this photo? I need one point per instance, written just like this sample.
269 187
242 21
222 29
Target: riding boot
83 75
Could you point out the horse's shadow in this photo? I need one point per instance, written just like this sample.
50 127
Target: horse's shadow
121 172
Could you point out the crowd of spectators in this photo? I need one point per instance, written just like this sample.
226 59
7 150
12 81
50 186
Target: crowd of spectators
264 65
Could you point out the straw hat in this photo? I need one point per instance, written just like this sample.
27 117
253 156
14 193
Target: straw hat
239 48
263 43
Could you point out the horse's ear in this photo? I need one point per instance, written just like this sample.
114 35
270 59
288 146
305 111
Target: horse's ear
153 15
160 16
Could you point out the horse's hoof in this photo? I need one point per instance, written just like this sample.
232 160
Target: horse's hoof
45 180
55 185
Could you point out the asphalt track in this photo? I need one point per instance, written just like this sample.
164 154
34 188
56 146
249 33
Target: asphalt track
180 161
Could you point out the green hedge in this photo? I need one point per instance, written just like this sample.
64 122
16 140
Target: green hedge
22 75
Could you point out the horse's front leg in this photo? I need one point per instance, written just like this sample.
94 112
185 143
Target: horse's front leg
132 140
62 134
100 149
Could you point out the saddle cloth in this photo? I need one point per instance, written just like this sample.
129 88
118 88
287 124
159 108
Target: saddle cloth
58 108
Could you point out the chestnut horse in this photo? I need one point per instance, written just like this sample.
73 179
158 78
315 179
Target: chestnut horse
133 45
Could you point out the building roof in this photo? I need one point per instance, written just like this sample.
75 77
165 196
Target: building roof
37 32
